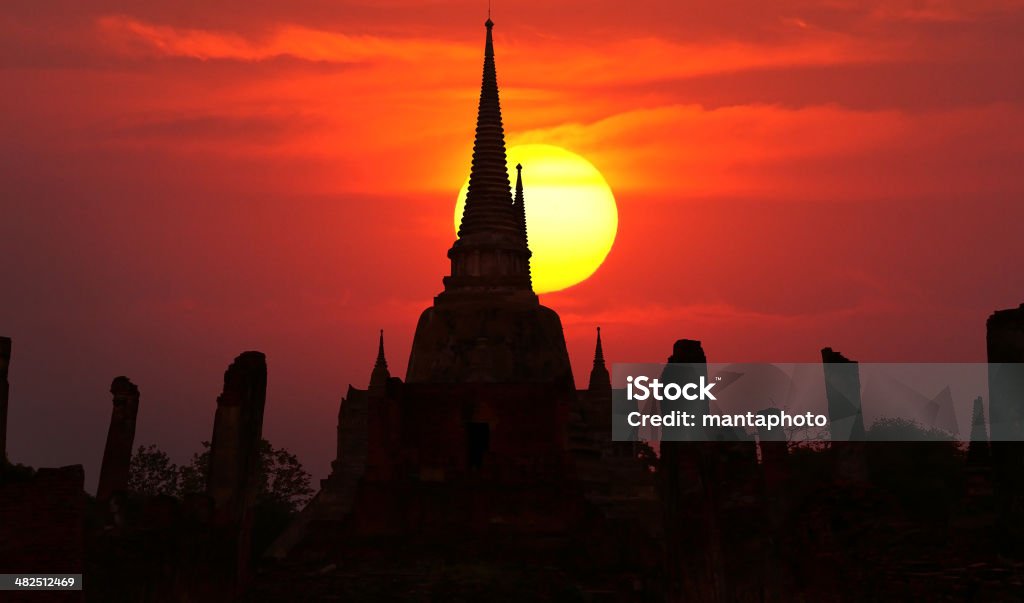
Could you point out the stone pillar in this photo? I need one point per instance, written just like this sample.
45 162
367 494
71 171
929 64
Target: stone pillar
237 431
5 362
846 420
1005 343
774 504
842 387
687 364
232 480
120 439
688 493
1005 346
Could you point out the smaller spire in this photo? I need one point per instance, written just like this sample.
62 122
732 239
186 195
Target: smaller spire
519 203
599 377
380 375
520 208
381 361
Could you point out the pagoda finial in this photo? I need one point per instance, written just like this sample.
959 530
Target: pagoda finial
381 361
380 375
490 253
521 214
489 199
599 377
520 204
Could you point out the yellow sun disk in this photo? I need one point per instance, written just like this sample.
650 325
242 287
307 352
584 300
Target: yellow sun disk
571 218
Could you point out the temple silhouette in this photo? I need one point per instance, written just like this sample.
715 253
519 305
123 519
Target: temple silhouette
485 437
485 474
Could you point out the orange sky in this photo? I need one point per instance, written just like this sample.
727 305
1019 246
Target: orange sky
183 182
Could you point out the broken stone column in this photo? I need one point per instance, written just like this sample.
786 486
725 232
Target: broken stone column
842 388
775 504
117 454
5 362
237 431
688 492
232 480
846 420
1005 343
1005 346
687 364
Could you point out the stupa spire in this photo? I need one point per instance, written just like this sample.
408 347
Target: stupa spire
382 362
489 200
380 375
520 208
521 215
490 255
599 377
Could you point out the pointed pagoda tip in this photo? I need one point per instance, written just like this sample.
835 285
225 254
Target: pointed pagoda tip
600 380
380 349
519 167
380 375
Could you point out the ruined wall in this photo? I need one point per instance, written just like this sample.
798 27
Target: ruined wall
41 527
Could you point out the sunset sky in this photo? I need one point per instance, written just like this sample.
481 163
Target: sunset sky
183 181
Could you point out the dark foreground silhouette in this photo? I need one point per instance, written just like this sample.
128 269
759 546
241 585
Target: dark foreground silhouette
486 475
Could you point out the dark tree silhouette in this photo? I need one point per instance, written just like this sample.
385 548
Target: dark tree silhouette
151 472
192 477
897 429
283 482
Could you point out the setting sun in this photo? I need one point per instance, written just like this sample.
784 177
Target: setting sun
570 214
